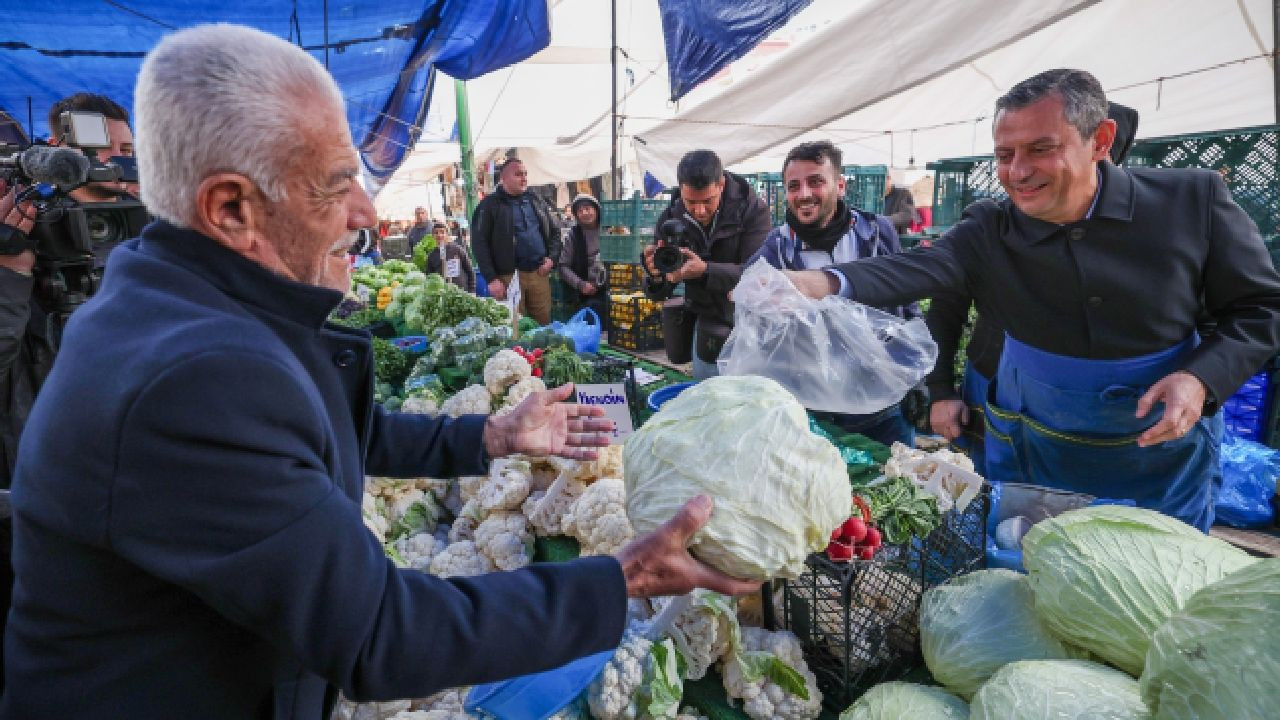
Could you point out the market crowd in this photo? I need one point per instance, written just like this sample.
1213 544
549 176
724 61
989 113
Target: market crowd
186 477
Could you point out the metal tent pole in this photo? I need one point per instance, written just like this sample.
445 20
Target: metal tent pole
465 150
613 123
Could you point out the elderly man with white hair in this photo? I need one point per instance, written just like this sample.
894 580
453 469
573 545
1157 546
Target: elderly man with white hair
188 534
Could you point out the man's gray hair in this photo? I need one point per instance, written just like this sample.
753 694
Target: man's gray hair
221 98
1083 101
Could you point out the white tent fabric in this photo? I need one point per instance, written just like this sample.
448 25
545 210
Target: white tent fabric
868 80
889 81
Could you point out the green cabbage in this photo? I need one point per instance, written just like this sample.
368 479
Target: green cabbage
1106 577
978 623
1219 657
902 700
1058 690
779 489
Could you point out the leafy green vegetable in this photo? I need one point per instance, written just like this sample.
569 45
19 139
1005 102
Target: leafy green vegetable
561 366
757 664
390 364
721 438
900 509
900 700
420 517
666 686
1105 578
422 250
527 324
1058 690
977 623
360 318
1218 658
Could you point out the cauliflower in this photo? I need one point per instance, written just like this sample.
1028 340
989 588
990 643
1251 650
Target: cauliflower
416 551
506 539
373 519
608 464
439 487
641 680
347 710
753 670
464 525
507 488
523 389
947 475
504 369
461 559
547 514
470 486
703 631
447 705
420 405
685 714
471 400
599 518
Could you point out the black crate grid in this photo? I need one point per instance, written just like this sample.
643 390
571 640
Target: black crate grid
858 621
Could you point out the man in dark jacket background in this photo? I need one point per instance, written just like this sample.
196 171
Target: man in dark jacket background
726 222
514 234
199 549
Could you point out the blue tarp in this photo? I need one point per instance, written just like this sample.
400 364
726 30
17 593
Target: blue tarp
383 53
703 36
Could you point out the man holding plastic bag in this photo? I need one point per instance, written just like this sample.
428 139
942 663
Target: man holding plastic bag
822 230
1099 275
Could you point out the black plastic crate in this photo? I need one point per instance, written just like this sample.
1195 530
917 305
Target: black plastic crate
608 369
641 336
858 621
625 277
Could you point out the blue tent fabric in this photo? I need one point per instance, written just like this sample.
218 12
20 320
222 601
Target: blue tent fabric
703 36
383 54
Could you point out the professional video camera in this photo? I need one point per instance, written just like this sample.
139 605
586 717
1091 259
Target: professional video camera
70 239
674 236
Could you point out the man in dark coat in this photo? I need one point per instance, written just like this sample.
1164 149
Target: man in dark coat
513 234
726 223
1100 277
188 530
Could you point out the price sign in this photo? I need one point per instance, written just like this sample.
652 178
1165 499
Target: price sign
613 398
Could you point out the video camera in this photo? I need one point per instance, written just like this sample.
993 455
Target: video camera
668 258
71 239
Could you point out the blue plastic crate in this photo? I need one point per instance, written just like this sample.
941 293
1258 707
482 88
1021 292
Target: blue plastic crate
1245 412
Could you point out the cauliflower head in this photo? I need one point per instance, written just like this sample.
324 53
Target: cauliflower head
766 671
504 369
417 551
704 631
523 389
506 539
508 486
599 518
461 559
549 519
420 405
471 400
464 525
641 680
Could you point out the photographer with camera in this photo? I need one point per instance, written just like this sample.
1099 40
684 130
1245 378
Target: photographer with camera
715 223
822 230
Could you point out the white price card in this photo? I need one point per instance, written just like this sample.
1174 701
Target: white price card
613 398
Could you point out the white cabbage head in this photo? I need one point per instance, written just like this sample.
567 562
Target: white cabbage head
1058 690
1106 577
779 489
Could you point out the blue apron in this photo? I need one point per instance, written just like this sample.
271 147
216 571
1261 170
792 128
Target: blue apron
973 391
1069 423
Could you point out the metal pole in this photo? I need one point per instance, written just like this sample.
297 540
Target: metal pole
1275 56
326 34
464 147
613 122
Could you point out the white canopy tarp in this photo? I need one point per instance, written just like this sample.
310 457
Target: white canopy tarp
891 67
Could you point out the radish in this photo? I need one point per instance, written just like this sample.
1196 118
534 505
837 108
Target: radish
855 528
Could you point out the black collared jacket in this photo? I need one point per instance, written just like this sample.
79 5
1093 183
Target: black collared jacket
1164 250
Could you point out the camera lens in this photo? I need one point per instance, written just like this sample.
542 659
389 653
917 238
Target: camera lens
668 259
103 229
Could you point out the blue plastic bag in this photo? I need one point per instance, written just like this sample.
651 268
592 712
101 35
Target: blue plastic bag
1249 472
585 335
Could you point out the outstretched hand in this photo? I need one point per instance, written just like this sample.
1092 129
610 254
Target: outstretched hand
659 563
1183 396
544 424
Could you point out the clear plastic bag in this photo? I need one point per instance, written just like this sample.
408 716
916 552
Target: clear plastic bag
833 354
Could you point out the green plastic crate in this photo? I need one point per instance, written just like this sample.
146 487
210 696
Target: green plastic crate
623 248
864 189
636 214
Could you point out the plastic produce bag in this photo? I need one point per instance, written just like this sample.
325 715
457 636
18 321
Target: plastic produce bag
834 355
1249 472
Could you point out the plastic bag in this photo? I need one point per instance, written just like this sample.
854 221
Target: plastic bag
834 355
1249 473
583 329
